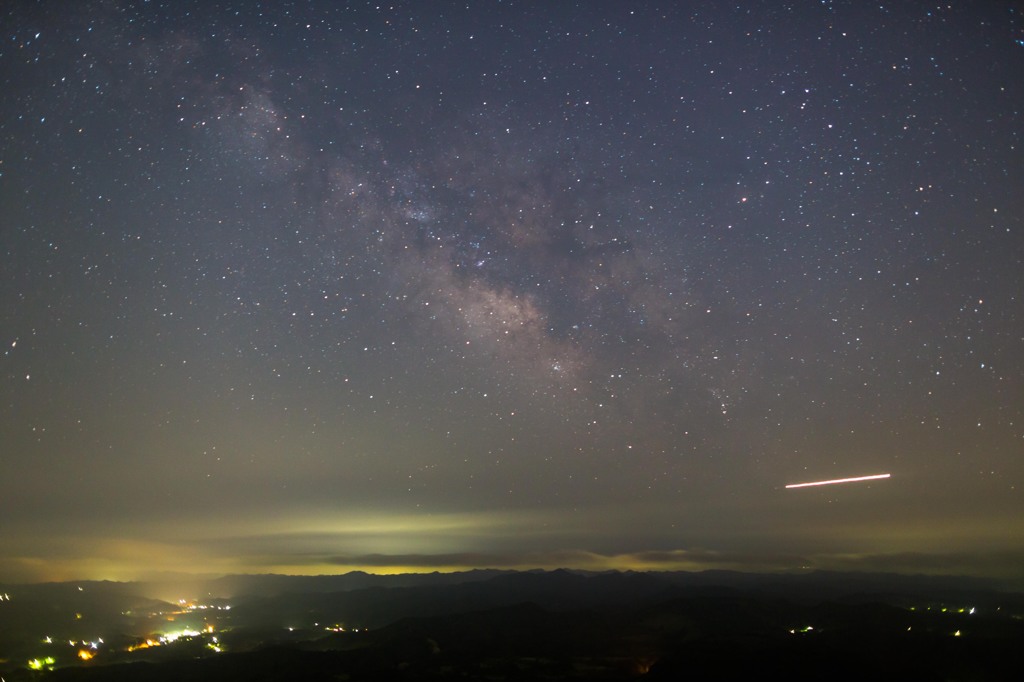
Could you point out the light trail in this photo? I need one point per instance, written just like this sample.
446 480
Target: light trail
855 479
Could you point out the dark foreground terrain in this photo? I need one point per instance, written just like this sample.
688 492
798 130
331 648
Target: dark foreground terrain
536 626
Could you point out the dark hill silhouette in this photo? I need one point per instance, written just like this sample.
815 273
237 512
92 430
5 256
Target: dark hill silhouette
559 625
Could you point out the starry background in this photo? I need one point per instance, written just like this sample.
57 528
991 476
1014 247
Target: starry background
309 287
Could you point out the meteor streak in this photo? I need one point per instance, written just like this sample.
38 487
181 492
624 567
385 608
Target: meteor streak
838 480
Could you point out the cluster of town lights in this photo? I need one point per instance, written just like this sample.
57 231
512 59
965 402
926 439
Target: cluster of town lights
171 637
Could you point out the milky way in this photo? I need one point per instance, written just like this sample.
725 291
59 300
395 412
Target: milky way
336 285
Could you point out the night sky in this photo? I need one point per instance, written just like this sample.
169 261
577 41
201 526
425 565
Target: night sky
309 287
